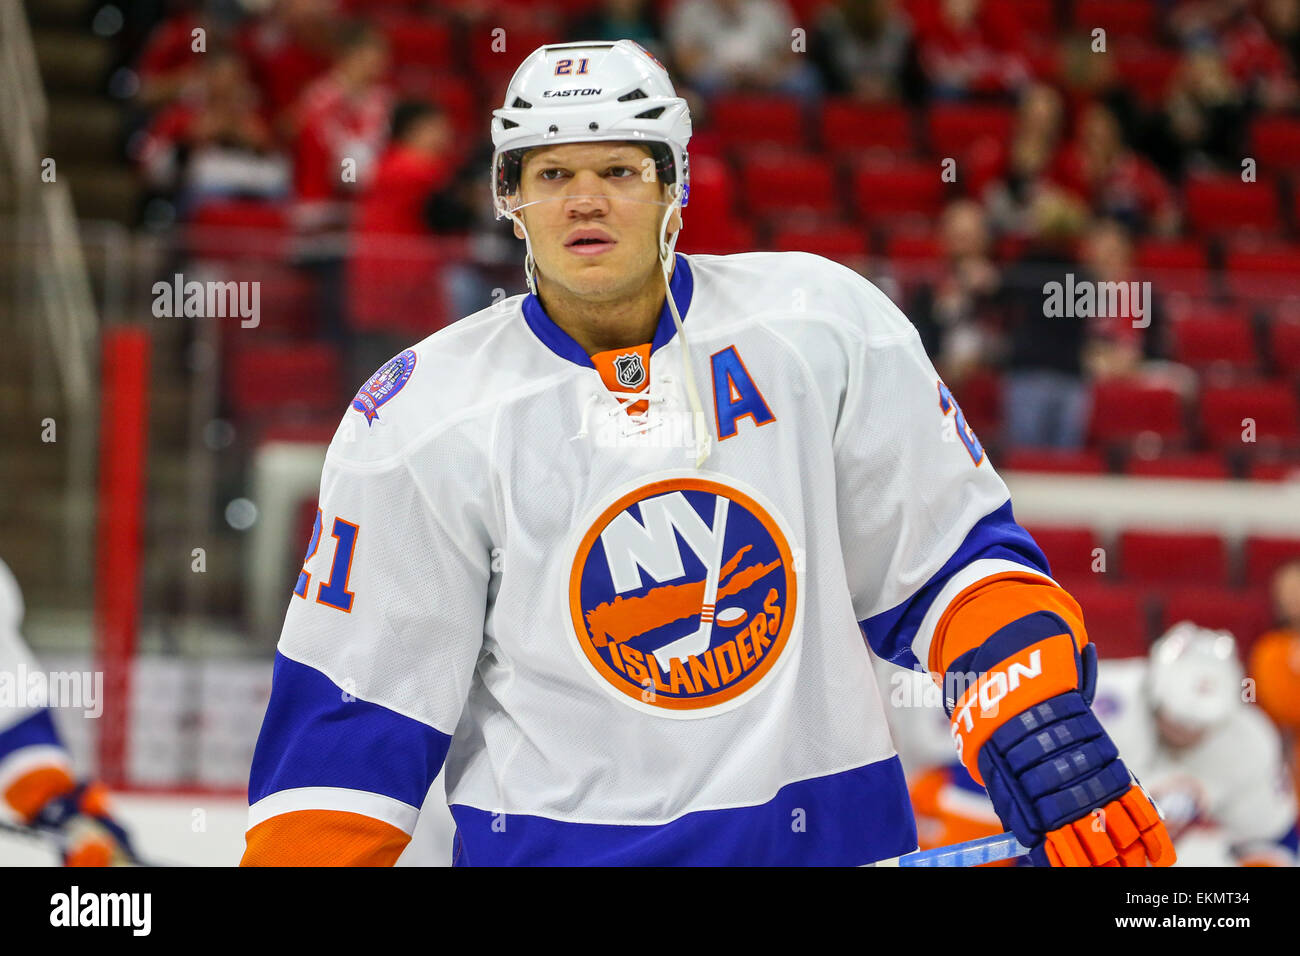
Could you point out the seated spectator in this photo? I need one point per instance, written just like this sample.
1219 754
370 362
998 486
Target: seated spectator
1117 345
393 275
343 116
957 315
971 50
1045 397
723 46
864 49
288 48
622 20
213 141
1102 170
1275 662
169 63
1282 21
1030 157
1203 119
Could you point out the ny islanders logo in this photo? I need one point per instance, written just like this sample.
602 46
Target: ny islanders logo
683 595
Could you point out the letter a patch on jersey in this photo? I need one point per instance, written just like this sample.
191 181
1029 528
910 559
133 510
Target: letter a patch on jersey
735 395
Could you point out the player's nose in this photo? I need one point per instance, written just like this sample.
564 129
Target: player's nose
586 195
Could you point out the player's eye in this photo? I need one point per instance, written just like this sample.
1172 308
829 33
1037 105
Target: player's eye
551 174
621 172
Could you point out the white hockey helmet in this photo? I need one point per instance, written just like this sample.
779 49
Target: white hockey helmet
1194 675
590 91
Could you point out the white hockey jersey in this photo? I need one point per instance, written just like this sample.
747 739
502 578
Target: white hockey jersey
622 657
1224 798
29 740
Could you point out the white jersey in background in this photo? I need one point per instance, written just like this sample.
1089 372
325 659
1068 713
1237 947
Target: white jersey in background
1225 798
30 749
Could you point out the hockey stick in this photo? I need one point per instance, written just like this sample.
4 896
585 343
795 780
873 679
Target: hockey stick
57 841
989 849
698 642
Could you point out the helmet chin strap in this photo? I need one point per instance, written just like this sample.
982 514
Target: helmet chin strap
703 440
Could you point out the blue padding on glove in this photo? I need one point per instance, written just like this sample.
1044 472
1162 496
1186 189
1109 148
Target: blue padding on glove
1049 766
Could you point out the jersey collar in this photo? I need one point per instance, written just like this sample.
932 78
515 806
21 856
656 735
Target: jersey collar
562 344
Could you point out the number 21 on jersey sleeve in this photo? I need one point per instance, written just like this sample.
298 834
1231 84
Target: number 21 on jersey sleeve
333 592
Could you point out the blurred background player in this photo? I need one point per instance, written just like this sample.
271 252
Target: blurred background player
1211 762
36 775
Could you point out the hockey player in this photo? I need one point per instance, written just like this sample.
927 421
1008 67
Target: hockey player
1212 760
36 777
610 549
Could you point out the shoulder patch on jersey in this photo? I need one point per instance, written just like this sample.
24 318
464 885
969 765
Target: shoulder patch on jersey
384 384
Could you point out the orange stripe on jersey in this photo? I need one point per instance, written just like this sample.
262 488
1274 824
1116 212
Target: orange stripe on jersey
989 605
323 838
625 370
37 787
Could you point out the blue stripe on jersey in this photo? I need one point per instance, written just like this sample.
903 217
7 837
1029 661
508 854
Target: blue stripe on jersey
844 819
996 535
313 737
38 730
562 344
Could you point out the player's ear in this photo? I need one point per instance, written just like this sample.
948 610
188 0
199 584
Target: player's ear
519 230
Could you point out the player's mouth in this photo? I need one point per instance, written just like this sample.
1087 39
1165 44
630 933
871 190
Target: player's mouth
590 242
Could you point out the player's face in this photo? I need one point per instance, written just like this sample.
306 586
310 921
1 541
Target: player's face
594 227
1175 733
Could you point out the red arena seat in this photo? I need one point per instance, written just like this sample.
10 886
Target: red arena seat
886 191
1122 410
851 127
1227 411
1217 337
1160 557
955 128
1222 203
833 242
1115 617
1245 613
776 183
1266 555
1069 548
745 120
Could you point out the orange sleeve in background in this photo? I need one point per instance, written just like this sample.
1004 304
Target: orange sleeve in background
1275 667
35 788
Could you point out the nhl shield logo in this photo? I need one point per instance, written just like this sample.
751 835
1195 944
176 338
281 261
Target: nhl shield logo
630 370
683 596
